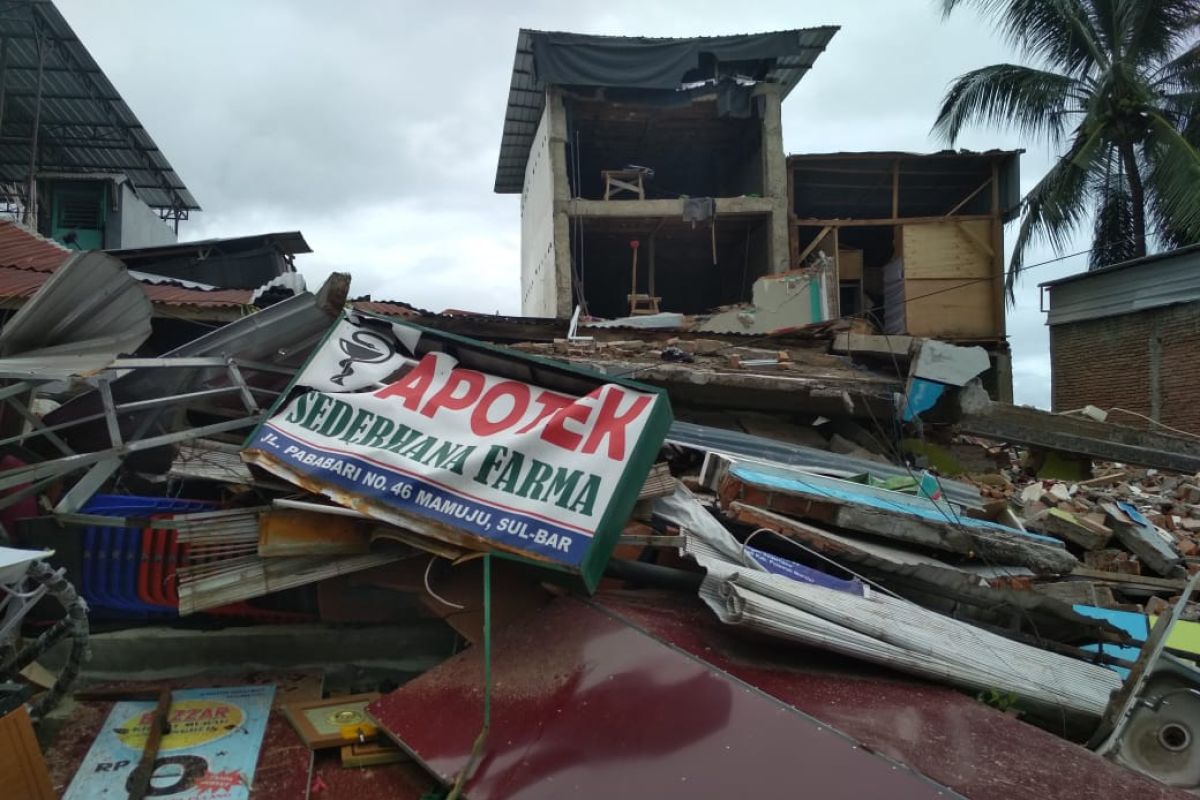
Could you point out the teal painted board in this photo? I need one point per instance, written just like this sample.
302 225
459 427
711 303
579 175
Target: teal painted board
846 492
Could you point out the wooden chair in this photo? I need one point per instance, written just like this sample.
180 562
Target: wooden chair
629 181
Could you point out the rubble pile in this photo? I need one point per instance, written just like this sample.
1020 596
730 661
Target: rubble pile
316 466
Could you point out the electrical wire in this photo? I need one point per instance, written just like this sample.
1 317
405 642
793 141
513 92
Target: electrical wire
434 594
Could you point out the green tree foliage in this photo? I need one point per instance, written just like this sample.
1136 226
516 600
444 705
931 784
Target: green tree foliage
1114 86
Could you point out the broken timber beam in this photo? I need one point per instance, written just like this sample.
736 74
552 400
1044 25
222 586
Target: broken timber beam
915 520
1030 426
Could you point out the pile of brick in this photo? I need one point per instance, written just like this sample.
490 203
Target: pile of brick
1125 521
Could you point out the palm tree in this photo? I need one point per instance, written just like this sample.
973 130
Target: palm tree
1115 87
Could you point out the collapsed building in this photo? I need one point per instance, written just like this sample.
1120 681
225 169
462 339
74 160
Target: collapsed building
737 499
649 184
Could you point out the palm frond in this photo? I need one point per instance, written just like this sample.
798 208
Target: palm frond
1029 100
1062 32
1173 181
1113 238
1155 30
1054 207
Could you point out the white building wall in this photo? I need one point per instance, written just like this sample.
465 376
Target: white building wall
538 279
136 224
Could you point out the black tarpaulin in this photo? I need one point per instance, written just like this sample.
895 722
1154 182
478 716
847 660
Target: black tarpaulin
571 59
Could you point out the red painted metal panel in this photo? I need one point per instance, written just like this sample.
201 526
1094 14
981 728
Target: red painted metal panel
949 736
587 706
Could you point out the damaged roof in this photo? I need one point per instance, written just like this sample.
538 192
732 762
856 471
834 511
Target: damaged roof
930 184
84 124
546 58
27 261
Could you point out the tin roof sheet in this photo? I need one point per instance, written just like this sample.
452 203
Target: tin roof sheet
84 124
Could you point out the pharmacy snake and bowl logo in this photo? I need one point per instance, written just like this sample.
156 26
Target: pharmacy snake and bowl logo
362 347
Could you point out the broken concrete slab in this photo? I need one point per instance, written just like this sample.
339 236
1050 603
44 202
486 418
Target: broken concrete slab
1151 545
1074 529
947 363
980 416
908 518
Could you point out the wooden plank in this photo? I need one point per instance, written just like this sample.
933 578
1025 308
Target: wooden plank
1147 582
851 222
950 309
969 232
850 264
287 532
813 245
971 196
945 251
896 189
23 771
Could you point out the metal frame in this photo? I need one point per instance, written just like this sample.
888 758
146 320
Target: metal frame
103 463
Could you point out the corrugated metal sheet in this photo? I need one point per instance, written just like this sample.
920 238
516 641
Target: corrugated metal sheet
388 308
88 307
930 183
27 261
85 126
179 296
526 95
21 248
1139 285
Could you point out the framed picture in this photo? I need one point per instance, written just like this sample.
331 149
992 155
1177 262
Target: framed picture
372 754
320 722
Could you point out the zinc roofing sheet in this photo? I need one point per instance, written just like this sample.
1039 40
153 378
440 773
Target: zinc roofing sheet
84 124
28 260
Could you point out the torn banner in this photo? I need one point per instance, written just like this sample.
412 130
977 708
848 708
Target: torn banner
209 753
499 450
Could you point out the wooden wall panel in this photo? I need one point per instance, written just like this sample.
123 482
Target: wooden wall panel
850 264
950 309
952 283
23 774
947 250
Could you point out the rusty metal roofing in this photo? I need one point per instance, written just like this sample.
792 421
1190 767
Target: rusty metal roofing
21 248
162 294
389 308
28 260
526 93
19 284
85 126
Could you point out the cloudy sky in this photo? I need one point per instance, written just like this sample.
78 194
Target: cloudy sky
373 126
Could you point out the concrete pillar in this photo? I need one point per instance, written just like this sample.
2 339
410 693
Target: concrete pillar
775 181
562 194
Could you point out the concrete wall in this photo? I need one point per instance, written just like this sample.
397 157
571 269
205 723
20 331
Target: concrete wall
537 228
1148 362
135 224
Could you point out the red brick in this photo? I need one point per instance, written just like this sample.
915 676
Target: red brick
1107 363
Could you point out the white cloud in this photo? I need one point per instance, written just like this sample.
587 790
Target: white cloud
373 127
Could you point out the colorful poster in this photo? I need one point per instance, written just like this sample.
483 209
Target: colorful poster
389 424
209 754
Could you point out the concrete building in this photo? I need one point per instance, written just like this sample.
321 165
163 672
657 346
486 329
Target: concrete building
1128 337
76 165
678 120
